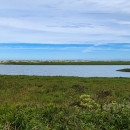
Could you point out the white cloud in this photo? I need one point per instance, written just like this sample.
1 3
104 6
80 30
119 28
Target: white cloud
71 21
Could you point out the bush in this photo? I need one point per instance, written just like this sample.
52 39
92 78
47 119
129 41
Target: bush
87 116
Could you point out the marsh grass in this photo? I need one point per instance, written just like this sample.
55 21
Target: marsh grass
125 70
44 90
64 103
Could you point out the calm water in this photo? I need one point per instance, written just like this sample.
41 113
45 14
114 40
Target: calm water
66 70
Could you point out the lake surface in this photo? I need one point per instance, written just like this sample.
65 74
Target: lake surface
65 70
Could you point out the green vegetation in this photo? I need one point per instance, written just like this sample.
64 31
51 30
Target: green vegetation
64 103
125 70
66 62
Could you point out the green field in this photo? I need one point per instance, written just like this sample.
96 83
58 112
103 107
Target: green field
64 103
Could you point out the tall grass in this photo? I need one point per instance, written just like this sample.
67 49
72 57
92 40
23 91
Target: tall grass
64 103
89 115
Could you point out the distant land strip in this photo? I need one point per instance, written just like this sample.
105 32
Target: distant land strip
62 62
125 70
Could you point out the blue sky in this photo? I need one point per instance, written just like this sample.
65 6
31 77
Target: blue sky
71 29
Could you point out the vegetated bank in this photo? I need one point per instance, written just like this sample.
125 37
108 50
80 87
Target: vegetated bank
61 103
125 70
65 62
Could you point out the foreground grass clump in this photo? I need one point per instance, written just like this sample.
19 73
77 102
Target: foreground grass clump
125 70
64 103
